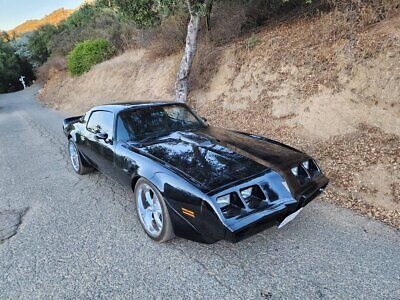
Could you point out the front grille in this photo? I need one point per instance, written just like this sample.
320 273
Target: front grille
234 208
313 168
259 194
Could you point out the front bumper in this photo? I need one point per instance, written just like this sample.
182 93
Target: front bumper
262 220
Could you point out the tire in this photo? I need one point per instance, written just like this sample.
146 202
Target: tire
151 215
79 165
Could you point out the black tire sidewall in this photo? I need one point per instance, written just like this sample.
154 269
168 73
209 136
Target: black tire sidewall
70 141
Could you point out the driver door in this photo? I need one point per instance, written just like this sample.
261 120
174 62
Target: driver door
100 140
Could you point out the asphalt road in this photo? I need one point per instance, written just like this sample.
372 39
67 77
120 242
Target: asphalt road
79 236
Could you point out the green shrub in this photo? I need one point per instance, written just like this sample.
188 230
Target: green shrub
251 41
87 54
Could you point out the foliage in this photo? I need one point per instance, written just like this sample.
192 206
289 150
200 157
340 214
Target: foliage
147 13
170 36
252 41
4 36
39 43
11 68
87 54
21 46
93 22
80 17
126 23
144 13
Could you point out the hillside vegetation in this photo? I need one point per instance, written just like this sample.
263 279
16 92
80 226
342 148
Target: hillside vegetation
327 82
53 19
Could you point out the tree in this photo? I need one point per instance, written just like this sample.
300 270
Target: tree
147 13
196 9
10 68
150 12
4 36
20 45
39 43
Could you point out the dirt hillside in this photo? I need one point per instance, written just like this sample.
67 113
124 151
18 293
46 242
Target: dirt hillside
335 97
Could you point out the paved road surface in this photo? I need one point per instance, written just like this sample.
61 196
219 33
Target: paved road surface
80 238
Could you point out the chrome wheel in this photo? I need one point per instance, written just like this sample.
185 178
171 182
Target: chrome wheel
149 209
74 155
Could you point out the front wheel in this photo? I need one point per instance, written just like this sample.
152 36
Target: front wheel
77 159
152 211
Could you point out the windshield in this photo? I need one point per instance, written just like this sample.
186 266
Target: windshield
153 121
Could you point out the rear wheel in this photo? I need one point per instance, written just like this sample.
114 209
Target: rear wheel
77 159
152 211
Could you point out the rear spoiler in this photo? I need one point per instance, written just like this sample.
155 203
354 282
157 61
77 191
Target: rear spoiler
69 121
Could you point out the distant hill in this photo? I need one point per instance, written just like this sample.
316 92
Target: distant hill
54 18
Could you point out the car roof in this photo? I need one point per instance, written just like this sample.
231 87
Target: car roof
117 107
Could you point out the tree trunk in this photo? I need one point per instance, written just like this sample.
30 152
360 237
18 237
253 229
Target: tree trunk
208 14
182 80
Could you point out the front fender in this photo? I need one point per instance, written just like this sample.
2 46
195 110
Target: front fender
69 123
73 135
180 197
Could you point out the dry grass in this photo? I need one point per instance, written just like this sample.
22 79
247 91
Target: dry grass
131 76
361 13
54 64
205 66
227 20
170 37
321 47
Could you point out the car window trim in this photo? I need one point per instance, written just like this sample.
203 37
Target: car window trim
116 126
100 110
198 118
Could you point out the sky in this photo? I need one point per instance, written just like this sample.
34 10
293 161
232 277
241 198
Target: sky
15 12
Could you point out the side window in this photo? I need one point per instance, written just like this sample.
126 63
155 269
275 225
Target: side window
101 121
123 134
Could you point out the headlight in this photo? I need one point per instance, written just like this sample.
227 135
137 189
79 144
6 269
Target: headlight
253 196
306 170
246 193
230 205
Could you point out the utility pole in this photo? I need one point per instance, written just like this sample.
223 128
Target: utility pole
22 79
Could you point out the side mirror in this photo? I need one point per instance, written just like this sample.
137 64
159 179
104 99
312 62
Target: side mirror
101 136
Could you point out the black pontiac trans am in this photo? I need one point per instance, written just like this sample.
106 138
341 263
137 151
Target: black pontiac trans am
190 179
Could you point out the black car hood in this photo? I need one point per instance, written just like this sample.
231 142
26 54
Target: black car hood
212 157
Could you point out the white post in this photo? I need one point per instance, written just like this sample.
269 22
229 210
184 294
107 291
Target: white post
22 79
